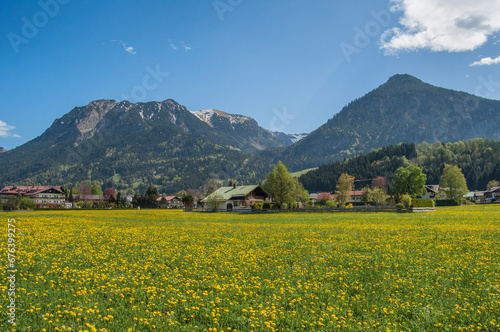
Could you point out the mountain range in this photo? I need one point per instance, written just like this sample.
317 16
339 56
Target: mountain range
128 145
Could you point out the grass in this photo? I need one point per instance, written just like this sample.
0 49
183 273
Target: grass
300 173
175 271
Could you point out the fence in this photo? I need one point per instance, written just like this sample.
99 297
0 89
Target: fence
371 209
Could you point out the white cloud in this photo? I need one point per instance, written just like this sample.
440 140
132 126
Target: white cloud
486 62
5 130
128 49
183 46
442 26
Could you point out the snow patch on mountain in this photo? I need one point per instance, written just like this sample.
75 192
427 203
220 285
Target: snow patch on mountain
206 116
296 137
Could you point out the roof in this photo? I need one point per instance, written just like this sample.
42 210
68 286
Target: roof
29 190
494 189
325 195
432 187
168 198
231 192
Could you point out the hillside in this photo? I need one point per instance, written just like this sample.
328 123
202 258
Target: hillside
131 145
128 145
403 110
479 160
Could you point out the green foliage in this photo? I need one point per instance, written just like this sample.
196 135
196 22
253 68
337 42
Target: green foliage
409 180
214 200
400 206
380 162
13 203
266 205
26 203
453 183
330 204
345 185
378 196
492 184
257 206
96 190
423 203
282 186
188 201
406 200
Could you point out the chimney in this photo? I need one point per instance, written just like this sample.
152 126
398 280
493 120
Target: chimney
234 185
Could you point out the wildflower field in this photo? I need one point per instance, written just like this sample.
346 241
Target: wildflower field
162 270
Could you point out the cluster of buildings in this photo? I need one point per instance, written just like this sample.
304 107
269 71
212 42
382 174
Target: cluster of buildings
234 198
43 196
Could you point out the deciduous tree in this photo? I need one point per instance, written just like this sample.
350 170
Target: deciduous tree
453 183
345 185
492 184
409 180
282 186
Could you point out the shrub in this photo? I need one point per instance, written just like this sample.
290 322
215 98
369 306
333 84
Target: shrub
400 206
406 200
423 203
26 204
349 206
266 205
257 206
330 204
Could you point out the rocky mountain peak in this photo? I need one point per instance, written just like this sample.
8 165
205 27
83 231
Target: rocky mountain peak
207 116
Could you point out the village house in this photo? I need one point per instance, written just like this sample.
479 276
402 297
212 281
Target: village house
44 196
238 198
431 191
492 194
171 201
89 198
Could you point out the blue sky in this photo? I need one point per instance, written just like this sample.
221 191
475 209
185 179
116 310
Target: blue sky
290 64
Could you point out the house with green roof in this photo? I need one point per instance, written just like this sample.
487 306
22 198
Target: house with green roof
239 198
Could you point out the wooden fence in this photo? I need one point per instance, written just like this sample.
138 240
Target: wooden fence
371 209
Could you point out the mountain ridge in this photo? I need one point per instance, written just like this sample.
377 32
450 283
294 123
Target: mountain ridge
402 110
127 145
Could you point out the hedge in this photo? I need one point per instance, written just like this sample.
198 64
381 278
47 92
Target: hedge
423 203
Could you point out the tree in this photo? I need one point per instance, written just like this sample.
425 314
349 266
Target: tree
181 193
210 186
492 184
26 203
84 189
118 200
108 192
409 180
345 185
214 200
163 202
379 182
282 186
378 196
188 201
71 199
96 190
453 183
13 203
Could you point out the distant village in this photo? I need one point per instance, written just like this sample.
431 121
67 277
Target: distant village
230 198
